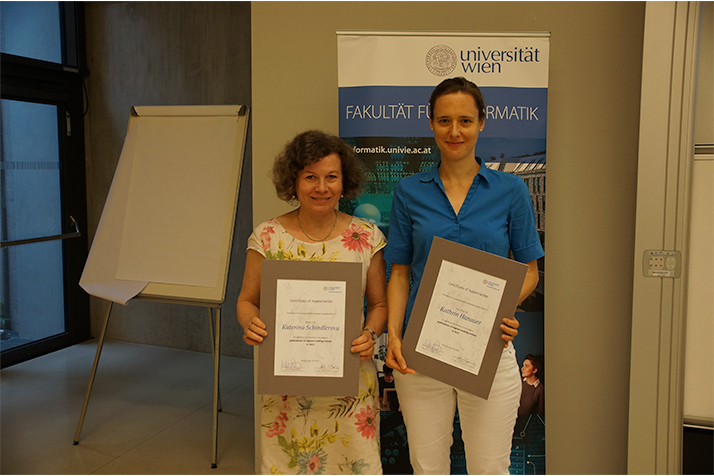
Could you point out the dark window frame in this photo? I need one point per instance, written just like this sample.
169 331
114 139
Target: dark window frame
32 80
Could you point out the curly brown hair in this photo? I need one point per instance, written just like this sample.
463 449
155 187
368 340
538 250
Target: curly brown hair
306 149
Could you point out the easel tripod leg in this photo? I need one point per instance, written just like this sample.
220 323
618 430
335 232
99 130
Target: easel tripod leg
216 396
94 372
213 350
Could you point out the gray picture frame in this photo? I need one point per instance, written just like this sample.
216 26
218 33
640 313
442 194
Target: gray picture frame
271 272
511 271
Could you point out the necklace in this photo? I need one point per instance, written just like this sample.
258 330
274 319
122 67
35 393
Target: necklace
313 239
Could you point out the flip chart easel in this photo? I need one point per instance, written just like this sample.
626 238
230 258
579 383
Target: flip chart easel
167 227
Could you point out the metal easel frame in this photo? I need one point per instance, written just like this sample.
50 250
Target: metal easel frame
215 349
108 244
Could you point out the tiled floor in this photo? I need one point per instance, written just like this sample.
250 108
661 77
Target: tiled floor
150 412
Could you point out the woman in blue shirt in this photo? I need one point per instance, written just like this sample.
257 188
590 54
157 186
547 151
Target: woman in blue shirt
463 201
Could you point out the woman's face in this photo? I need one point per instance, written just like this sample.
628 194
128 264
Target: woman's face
319 185
456 125
527 369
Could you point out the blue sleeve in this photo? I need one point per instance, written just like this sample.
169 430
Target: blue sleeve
399 245
523 234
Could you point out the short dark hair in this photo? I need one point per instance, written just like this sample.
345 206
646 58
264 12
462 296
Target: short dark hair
458 85
536 362
306 149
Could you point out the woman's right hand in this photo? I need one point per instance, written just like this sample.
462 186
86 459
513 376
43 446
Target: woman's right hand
394 358
255 332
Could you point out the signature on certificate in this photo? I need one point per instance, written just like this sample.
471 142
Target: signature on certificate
326 368
290 365
433 347
465 361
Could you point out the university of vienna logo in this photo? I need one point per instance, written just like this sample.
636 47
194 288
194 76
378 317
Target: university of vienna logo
441 60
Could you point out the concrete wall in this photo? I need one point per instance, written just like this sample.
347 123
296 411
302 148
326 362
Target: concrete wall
593 119
164 53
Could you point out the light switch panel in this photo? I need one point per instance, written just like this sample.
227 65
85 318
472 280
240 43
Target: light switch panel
662 264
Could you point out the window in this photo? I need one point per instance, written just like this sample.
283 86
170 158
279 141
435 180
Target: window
42 179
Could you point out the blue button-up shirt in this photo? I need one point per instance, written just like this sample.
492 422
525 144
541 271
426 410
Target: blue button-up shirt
497 215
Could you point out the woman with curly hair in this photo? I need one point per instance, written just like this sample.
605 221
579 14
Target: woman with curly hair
308 434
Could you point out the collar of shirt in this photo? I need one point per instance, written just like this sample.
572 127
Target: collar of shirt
433 173
535 384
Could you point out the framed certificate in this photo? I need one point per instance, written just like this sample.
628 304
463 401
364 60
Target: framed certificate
312 311
453 334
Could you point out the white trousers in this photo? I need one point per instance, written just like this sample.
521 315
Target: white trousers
487 425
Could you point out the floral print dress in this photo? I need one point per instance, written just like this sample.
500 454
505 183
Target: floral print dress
304 434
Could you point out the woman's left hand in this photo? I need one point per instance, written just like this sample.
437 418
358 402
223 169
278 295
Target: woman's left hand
510 330
364 345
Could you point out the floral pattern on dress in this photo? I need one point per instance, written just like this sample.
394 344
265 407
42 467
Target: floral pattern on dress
322 435
366 422
278 426
356 237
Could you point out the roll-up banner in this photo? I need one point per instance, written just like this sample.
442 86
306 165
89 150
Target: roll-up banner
385 80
